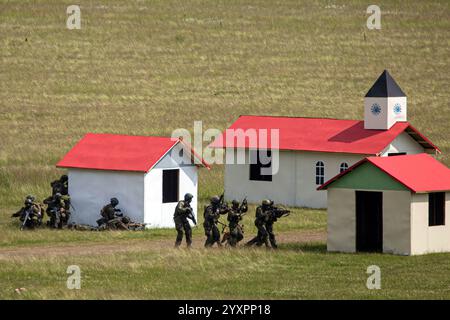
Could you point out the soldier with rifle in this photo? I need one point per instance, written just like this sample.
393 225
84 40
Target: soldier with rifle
30 214
183 212
261 217
58 210
274 214
61 185
236 231
211 215
112 217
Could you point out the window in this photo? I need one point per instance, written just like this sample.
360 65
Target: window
436 209
320 173
170 186
343 167
393 154
256 165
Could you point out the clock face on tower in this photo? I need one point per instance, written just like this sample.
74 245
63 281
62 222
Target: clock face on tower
375 109
397 108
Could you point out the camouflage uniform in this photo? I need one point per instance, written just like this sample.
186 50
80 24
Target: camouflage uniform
32 212
60 186
262 216
58 210
236 232
211 216
183 211
112 217
269 228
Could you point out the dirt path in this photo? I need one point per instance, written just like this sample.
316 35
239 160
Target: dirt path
135 245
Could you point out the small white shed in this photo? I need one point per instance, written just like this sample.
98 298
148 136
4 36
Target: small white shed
148 175
390 204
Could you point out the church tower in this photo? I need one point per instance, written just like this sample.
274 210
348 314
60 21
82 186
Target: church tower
384 104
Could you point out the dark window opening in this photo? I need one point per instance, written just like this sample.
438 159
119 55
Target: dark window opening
320 173
255 168
369 221
170 185
343 167
393 154
436 209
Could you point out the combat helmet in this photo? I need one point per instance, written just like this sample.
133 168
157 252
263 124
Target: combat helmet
266 202
215 200
188 197
114 201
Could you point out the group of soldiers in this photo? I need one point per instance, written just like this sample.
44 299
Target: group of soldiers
266 215
58 212
58 207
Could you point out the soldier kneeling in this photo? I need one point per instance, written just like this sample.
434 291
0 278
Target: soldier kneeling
112 217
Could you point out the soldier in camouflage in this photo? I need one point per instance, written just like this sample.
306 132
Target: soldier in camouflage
183 212
262 216
58 210
236 232
30 214
60 186
112 217
211 216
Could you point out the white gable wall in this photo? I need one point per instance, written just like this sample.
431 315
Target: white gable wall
158 214
403 143
90 190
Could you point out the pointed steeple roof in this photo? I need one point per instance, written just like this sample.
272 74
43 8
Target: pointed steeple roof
385 86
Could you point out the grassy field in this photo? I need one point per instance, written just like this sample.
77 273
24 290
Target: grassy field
149 67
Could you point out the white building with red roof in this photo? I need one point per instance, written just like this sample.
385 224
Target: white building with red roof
148 175
396 205
303 153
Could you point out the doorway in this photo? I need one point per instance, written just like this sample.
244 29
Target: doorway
369 221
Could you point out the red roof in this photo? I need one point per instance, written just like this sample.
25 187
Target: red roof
318 134
119 152
418 172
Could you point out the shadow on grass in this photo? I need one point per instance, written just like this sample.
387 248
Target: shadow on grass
312 247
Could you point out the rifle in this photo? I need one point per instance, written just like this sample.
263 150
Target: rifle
279 212
26 218
222 204
191 216
241 207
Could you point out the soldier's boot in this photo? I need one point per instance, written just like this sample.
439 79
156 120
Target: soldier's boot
252 242
273 242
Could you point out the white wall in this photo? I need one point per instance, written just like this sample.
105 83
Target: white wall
341 232
397 222
387 117
306 188
379 121
403 143
426 239
158 214
295 182
90 190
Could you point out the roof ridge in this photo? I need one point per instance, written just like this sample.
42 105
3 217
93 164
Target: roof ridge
295 117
